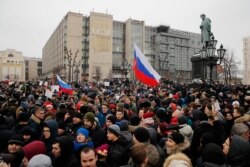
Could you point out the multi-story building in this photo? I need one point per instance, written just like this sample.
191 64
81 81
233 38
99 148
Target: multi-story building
99 45
11 65
33 68
246 58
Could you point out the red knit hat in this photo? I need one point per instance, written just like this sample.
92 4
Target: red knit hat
112 106
148 118
34 148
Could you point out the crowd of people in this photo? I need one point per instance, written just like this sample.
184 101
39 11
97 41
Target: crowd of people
125 124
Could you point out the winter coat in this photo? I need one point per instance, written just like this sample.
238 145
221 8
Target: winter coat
35 124
5 135
153 155
97 135
116 153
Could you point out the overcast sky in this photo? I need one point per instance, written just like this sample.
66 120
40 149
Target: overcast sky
26 25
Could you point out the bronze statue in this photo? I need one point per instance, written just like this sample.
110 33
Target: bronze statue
205 30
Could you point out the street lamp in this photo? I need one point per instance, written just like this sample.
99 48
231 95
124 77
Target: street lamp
208 56
125 68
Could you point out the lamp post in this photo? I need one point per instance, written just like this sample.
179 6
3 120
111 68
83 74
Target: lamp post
125 68
209 58
71 61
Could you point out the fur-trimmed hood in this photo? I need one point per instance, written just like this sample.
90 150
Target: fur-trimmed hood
35 119
243 119
179 148
178 159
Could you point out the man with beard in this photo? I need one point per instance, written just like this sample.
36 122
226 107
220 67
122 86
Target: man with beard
95 131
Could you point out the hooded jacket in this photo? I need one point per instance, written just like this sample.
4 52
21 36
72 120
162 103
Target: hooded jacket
238 154
67 158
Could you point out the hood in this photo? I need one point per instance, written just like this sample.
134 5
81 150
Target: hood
238 150
53 126
66 145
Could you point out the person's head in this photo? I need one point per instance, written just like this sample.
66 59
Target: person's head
26 133
208 109
15 143
50 128
235 104
141 135
113 132
110 120
235 146
241 129
62 147
89 119
82 135
119 114
105 108
32 149
77 118
88 157
238 111
174 139
177 160
212 153
139 154
40 160
39 113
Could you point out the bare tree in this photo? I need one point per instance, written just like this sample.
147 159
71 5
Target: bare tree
230 67
98 73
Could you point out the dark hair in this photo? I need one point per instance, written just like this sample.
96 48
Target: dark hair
87 149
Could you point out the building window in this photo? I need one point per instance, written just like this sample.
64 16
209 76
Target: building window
10 55
27 63
39 64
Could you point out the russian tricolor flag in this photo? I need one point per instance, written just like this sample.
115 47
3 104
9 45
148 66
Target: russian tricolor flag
64 86
143 70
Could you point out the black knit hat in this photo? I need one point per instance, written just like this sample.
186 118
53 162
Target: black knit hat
141 134
176 137
16 139
23 117
182 120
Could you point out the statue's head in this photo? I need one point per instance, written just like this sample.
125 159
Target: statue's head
203 16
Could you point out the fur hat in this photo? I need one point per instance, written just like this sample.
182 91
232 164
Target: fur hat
115 129
176 137
90 117
141 134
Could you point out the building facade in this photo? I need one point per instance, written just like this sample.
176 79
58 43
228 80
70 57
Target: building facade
103 44
12 65
33 68
246 58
